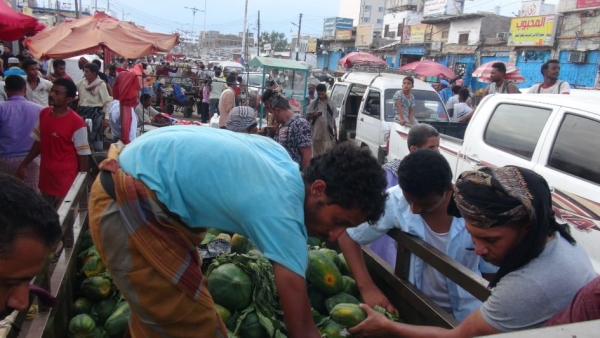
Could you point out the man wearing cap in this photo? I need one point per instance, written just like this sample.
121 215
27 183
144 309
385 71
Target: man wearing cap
242 119
14 69
227 100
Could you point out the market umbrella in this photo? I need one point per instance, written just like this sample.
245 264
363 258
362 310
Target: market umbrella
429 68
515 77
485 69
361 58
15 25
81 36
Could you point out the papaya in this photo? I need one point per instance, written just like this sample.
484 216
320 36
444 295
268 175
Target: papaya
348 315
117 322
251 327
317 300
339 298
92 263
82 326
208 238
344 269
332 329
230 287
104 309
313 241
333 256
323 274
97 288
241 244
82 305
350 286
223 313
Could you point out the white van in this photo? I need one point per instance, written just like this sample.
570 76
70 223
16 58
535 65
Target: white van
72 66
367 109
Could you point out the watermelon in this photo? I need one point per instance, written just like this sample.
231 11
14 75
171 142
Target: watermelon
116 324
82 326
241 244
82 305
323 274
104 309
230 287
348 315
223 313
339 298
97 288
333 256
350 286
251 327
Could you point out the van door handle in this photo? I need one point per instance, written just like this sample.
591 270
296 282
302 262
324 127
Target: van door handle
363 120
473 159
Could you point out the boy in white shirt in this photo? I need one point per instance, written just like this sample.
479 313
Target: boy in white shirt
462 111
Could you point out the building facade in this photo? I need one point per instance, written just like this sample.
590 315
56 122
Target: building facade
364 12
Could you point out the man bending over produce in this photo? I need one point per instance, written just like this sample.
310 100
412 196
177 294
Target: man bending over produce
148 230
508 212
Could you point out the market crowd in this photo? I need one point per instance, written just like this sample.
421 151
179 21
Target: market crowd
279 184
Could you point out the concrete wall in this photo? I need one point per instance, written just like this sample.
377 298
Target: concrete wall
471 26
494 24
589 32
568 5
394 19
438 31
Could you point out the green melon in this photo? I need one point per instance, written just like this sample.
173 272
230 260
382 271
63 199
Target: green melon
97 288
82 326
208 238
339 298
82 305
350 286
117 323
230 287
251 327
104 309
323 274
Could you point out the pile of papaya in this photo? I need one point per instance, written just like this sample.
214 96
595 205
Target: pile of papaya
99 310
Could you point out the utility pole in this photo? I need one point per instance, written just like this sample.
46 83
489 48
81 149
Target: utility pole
194 10
258 37
244 56
298 39
76 9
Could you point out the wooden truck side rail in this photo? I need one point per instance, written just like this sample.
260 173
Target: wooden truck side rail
413 305
58 275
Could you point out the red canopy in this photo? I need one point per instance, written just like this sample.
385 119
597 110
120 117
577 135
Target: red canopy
15 25
85 35
429 68
360 57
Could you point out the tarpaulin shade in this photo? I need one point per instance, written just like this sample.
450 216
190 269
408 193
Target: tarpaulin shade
85 35
361 58
429 68
15 25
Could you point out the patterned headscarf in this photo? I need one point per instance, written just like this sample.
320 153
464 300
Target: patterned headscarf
491 197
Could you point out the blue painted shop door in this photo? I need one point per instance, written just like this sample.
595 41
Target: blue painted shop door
334 57
579 74
530 64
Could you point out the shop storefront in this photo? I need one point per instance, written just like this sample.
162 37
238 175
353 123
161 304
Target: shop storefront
410 53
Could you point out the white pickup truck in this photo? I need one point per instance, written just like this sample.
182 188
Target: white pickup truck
558 136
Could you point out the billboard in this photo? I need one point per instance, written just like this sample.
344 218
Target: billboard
417 33
435 7
587 4
312 45
364 35
533 31
343 35
331 25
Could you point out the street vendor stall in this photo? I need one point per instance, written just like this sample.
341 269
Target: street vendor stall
291 76
15 25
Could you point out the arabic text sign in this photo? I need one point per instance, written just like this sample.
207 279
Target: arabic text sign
312 45
435 7
587 3
417 33
343 35
532 31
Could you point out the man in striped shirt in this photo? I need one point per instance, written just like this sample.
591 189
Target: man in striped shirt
61 139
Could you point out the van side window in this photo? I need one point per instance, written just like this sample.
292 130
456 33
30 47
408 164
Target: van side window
338 93
373 104
516 129
576 149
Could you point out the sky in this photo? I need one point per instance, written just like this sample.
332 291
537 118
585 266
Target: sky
227 16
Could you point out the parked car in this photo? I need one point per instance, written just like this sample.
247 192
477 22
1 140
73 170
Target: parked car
554 135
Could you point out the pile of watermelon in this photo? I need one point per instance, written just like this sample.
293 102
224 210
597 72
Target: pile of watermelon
99 310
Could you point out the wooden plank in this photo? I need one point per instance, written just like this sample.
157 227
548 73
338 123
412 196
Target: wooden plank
456 272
